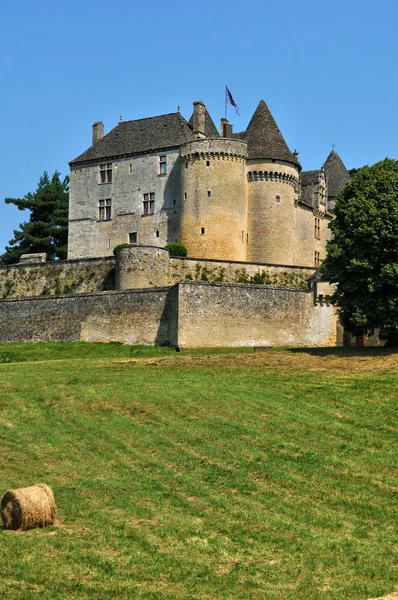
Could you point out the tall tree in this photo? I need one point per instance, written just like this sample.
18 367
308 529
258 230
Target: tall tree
47 228
362 257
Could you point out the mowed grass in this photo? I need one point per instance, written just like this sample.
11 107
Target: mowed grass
203 474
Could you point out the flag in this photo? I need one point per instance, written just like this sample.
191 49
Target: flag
230 100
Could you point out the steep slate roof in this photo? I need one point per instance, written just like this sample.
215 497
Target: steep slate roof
142 135
210 129
336 173
264 139
309 177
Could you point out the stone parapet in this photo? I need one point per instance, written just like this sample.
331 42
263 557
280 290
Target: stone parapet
221 148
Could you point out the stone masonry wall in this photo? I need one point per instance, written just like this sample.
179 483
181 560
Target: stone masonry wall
251 315
148 267
132 177
133 317
236 272
66 276
188 314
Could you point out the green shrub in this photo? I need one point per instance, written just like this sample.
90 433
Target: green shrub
176 249
117 248
242 276
8 288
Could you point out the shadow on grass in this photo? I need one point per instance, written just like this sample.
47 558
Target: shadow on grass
345 351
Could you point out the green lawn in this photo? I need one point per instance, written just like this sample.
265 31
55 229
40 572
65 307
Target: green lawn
202 474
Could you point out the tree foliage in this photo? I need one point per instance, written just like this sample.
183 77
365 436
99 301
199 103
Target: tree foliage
47 228
176 249
362 257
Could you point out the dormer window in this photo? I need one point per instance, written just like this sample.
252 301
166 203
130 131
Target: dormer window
106 173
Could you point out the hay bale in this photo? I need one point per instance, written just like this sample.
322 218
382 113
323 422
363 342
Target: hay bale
26 508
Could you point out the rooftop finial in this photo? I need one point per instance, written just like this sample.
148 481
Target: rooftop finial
333 145
178 108
121 119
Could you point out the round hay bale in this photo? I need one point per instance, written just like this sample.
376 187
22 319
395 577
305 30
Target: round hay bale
26 508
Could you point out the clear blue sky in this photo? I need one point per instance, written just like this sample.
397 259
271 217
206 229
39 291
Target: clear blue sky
327 70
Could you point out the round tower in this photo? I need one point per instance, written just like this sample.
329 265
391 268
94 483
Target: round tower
214 198
273 176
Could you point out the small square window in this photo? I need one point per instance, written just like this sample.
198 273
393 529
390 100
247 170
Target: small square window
105 210
208 193
207 163
163 165
133 237
277 198
202 230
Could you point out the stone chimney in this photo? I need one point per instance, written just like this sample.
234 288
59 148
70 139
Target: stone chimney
98 131
199 113
226 128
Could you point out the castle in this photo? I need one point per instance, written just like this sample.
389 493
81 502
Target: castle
224 195
254 224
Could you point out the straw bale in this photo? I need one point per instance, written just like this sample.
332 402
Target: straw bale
26 508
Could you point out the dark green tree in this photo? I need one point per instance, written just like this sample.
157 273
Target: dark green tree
362 257
47 228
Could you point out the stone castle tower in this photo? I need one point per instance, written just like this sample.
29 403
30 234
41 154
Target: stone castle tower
224 195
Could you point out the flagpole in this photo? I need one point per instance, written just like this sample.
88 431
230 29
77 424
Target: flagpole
225 102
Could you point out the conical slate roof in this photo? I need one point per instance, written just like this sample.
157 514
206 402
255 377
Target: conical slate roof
336 173
264 139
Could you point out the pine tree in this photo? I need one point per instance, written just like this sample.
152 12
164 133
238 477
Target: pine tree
47 228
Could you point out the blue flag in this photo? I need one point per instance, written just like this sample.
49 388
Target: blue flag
230 100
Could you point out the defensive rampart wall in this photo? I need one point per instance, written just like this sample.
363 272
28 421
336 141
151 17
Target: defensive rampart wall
135 267
189 314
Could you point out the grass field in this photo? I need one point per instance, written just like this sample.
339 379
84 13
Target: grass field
203 474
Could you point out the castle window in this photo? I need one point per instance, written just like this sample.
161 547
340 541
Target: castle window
106 173
148 205
185 195
317 229
130 168
317 259
186 165
105 210
162 165
208 193
277 198
133 237
202 231
157 233
207 163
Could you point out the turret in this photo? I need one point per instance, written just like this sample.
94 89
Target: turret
273 174
214 198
